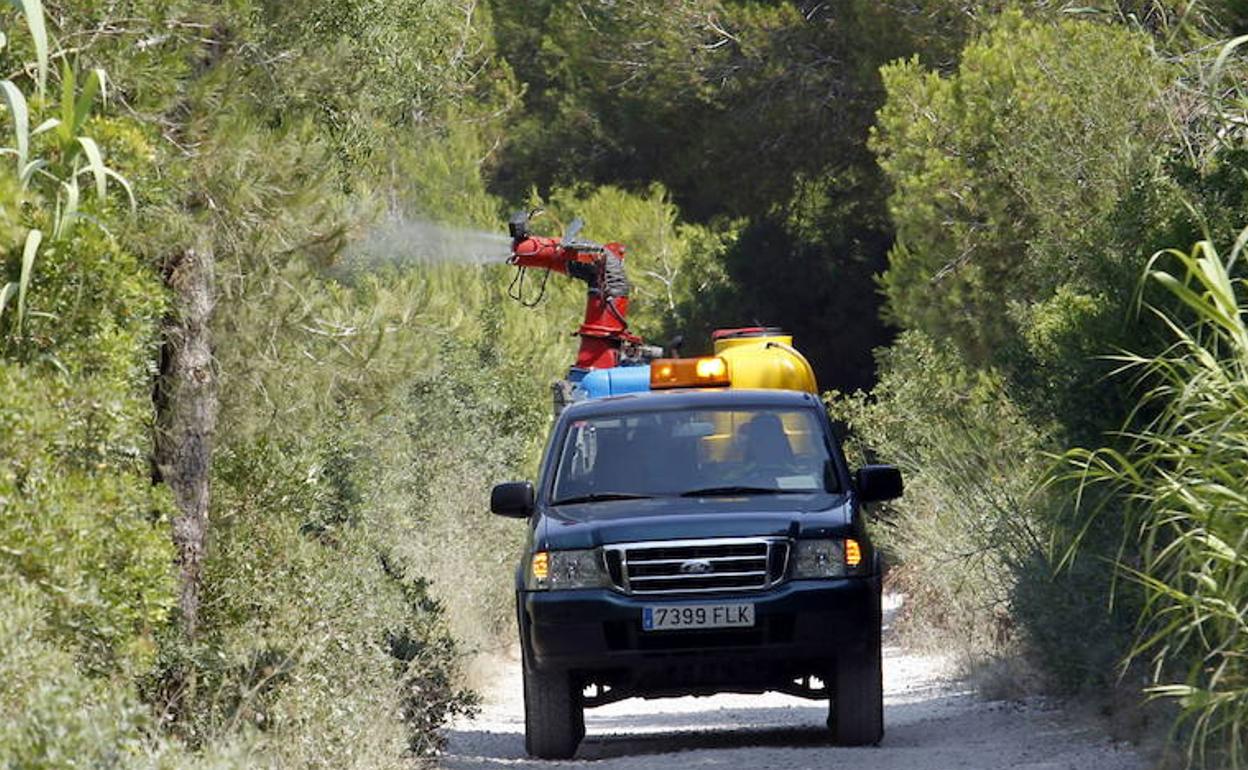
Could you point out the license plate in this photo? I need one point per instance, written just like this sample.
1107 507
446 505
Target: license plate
675 617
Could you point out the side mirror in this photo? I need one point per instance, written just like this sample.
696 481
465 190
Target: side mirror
877 483
513 499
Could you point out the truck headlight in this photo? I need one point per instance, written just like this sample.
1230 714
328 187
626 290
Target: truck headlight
818 559
558 570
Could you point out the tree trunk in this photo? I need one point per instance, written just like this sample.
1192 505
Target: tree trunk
186 417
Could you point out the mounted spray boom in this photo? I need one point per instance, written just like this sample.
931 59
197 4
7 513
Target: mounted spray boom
605 339
612 360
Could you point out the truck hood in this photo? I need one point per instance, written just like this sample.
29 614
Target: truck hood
675 518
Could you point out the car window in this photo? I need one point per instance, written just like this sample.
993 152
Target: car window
680 452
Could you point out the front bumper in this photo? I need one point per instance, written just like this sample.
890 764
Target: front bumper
800 627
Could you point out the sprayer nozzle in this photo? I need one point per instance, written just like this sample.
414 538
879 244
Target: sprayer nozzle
518 226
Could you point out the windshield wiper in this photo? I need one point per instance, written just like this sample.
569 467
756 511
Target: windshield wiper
734 490
599 497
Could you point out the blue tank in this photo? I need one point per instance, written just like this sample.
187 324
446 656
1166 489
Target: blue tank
616 381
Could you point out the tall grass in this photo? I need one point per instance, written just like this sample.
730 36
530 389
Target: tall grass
1182 479
55 176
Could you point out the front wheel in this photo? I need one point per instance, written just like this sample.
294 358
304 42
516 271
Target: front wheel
554 719
856 715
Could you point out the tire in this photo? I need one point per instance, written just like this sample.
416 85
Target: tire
856 714
554 719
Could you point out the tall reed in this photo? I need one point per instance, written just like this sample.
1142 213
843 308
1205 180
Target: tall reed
1180 474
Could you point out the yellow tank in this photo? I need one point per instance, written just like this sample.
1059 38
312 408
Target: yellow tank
760 358
764 358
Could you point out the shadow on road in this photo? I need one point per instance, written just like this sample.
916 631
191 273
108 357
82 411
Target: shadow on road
507 749
931 721
648 732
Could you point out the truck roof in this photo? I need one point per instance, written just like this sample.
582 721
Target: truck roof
689 399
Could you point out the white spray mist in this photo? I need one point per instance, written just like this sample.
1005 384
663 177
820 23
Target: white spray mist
402 241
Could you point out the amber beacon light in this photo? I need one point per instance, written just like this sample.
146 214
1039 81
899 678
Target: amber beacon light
707 372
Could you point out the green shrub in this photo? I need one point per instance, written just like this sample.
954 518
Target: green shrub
85 557
315 632
968 519
471 422
52 715
1028 183
978 539
1008 174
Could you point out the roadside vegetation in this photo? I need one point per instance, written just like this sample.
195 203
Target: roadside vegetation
243 472
1040 188
1177 479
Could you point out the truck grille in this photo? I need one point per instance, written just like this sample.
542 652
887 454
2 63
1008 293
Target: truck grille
698 566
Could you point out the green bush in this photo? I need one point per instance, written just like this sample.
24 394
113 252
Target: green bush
472 421
1027 181
85 579
979 538
969 519
1008 173
315 633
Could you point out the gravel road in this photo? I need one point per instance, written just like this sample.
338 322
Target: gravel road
931 721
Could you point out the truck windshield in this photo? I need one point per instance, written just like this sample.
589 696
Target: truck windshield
708 452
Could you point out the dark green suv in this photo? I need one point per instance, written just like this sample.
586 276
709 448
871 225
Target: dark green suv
697 542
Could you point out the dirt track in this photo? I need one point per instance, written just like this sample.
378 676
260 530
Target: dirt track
931 721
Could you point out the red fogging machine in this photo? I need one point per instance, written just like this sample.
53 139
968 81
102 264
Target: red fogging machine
605 339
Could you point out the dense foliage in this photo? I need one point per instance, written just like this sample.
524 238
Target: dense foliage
1030 185
950 204
365 408
1180 479
754 116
